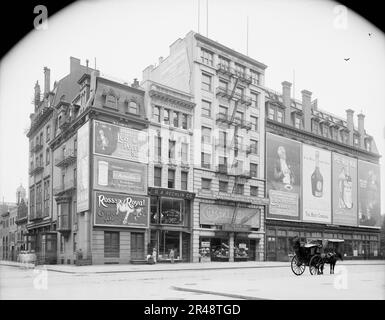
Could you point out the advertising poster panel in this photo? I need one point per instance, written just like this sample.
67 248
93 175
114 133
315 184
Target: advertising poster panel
121 210
213 214
344 181
369 194
120 175
283 176
120 142
83 168
316 185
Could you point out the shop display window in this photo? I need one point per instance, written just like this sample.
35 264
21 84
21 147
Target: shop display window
172 211
241 250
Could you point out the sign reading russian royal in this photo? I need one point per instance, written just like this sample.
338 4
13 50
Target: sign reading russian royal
120 142
121 210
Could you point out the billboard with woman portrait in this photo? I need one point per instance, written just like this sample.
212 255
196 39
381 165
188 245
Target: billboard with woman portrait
283 176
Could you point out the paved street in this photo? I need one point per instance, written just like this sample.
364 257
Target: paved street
358 280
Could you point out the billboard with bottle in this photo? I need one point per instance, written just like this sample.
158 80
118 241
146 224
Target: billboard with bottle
316 184
369 205
344 186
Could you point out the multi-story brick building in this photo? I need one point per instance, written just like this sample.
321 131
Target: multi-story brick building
228 145
170 177
323 177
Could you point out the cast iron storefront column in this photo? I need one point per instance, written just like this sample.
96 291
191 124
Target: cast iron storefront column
231 247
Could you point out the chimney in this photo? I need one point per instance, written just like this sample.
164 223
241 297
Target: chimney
349 119
94 75
286 88
74 64
37 94
135 84
361 129
47 75
147 72
306 109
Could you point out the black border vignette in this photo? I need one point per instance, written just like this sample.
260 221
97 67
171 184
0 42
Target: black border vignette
18 16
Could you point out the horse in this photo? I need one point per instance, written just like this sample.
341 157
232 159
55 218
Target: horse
331 259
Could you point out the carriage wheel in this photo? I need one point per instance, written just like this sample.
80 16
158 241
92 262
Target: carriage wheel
297 266
315 264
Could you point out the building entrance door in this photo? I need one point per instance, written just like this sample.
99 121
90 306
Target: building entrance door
137 246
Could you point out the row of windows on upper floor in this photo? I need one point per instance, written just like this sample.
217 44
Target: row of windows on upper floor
324 130
207 58
170 117
224 86
206 184
39 138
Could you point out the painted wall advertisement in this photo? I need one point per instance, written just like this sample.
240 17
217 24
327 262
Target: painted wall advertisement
316 184
212 214
83 168
369 194
120 210
120 175
120 142
344 182
283 176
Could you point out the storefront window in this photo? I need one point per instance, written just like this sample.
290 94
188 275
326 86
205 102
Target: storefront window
172 211
219 249
241 250
348 248
168 240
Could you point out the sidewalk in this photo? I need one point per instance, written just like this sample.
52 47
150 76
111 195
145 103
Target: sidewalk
122 268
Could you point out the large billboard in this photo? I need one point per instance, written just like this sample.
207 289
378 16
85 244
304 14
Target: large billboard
283 176
120 142
344 184
120 175
316 185
213 214
121 210
369 194
83 168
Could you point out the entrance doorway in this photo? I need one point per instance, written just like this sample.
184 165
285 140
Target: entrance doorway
137 246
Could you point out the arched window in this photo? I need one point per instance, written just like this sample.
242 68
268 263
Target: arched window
133 107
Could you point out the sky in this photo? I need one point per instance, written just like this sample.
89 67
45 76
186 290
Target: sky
302 40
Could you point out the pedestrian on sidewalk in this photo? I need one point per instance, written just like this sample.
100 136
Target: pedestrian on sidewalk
154 254
172 255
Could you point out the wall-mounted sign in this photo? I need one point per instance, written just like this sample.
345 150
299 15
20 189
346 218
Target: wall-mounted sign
119 210
170 193
235 227
283 176
344 182
120 142
83 168
212 214
283 204
120 175
316 185
369 203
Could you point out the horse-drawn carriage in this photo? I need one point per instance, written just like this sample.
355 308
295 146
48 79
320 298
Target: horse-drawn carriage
315 254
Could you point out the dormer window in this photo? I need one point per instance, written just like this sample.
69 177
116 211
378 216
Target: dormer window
111 99
133 107
367 145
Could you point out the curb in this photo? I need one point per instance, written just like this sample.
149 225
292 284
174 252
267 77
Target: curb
230 295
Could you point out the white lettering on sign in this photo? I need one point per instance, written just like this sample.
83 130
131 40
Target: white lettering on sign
104 201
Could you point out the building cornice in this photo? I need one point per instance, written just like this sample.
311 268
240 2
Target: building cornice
232 52
292 132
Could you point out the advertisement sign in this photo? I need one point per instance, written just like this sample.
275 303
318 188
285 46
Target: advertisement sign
344 182
83 168
369 194
283 176
213 214
316 184
120 142
120 175
119 210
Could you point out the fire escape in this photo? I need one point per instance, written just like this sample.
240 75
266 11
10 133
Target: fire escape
236 100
